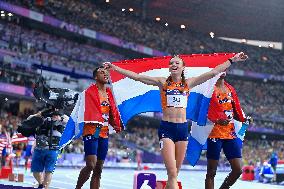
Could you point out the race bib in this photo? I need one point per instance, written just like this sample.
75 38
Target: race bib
230 115
106 118
177 101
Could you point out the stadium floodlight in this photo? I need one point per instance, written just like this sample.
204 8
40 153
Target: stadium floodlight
131 9
107 1
10 14
182 26
2 15
265 80
166 24
264 58
2 12
158 18
122 9
211 34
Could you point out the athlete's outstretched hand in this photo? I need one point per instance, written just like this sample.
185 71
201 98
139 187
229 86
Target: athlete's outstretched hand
107 65
249 120
239 57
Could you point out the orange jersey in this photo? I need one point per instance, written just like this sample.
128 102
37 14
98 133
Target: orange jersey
174 95
90 128
224 131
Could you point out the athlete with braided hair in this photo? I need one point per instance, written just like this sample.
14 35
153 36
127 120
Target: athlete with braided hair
173 131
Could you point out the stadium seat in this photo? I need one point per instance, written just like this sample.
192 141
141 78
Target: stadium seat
248 173
5 171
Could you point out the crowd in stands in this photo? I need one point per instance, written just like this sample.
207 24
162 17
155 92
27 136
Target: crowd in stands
145 138
30 45
260 99
130 27
255 151
275 126
14 76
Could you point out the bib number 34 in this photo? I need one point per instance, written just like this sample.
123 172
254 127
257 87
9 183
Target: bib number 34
178 101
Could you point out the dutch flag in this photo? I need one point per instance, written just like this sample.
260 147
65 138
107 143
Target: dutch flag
134 97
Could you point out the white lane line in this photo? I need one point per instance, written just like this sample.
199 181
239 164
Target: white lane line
115 185
105 182
53 187
62 182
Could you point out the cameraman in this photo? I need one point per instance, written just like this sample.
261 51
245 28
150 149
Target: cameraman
46 146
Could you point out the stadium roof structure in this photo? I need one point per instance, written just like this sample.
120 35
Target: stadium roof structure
243 19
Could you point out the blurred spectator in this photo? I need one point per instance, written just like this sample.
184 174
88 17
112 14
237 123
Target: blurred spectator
266 173
273 160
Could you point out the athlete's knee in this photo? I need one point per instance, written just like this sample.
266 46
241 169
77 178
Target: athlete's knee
90 166
211 173
98 171
237 171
